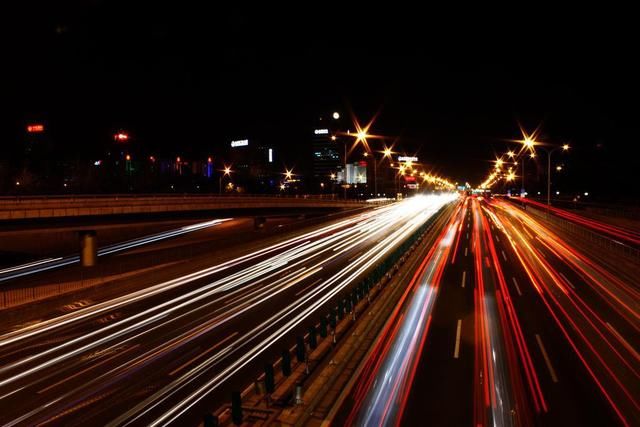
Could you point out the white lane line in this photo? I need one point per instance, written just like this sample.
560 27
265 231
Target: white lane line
497 238
504 255
467 235
303 290
552 371
465 251
456 350
528 234
464 277
567 280
354 257
517 287
623 341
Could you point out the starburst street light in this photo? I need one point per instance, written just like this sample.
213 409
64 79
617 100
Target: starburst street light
225 172
288 173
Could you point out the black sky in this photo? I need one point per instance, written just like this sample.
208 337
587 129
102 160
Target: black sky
453 85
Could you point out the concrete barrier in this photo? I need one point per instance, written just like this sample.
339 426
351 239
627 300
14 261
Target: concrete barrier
16 208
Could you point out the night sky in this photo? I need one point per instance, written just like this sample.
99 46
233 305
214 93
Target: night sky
186 78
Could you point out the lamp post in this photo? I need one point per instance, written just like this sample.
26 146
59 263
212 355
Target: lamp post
375 172
226 172
528 143
563 147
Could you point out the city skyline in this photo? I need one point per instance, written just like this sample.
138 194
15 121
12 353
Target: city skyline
180 85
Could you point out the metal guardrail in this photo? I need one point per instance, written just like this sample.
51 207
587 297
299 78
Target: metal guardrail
186 196
578 230
619 211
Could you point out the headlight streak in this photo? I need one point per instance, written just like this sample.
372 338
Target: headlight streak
493 386
188 298
316 299
382 219
626 235
51 263
609 359
389 372
44 326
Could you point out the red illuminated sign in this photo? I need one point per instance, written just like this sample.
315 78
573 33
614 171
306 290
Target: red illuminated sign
121 136
36 128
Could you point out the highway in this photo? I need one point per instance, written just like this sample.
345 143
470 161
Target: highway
41 265
522 327
171 351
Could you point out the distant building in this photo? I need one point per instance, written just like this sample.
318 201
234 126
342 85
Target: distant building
356 173
253 164
325 156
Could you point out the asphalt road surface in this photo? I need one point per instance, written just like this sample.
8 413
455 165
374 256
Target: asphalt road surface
170 351
520 326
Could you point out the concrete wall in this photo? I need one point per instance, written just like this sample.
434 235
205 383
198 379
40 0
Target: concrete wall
15 208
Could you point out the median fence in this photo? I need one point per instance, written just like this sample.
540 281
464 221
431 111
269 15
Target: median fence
578 230
281 382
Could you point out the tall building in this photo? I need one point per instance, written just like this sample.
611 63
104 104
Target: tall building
253 164
356 173
326 158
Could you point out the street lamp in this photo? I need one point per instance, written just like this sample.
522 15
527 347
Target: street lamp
288 173
226 172
564 147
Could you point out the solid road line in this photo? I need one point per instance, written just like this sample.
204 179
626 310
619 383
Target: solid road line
456 351
517 287
303 290
567 280
552 371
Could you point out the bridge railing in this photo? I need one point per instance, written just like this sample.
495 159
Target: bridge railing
578 230
79 198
